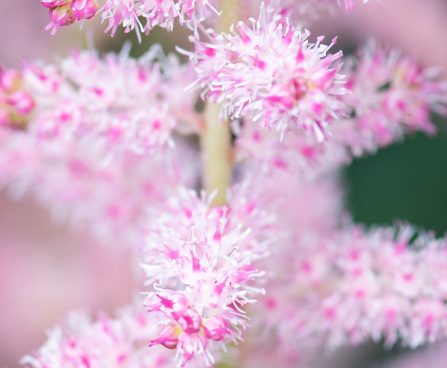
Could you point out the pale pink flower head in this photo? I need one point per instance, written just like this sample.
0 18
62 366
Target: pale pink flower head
200 263
96 143
122 103
390 95
66 12
271 74
353 286
383 81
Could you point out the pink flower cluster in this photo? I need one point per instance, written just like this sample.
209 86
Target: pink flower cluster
95 144
200 262
143 15
65 12
355 285
271 74
134 15
122 103
388 95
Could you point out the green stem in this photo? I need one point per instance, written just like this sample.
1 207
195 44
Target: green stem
216 136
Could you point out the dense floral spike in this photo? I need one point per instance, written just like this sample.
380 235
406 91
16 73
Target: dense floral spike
271 74
66 12
126 104
200 263
358 285
88 121
389 96
106 342
144 15
133 15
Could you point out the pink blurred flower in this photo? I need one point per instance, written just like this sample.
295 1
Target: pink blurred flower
124 103
356 285
70 178
271 74
66 12
389 95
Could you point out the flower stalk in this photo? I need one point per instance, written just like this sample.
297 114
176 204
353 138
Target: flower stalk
216 136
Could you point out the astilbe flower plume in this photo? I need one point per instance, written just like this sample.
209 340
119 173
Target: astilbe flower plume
74 138
121 102
143 15
389 95
65 12
271 74
200 262
357 285
133 15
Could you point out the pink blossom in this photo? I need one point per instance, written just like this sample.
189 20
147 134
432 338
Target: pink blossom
389 96
200 264
123 103
133 15
356 285
269 73
66 12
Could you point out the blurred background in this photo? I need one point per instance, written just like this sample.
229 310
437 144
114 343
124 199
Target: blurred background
46 269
